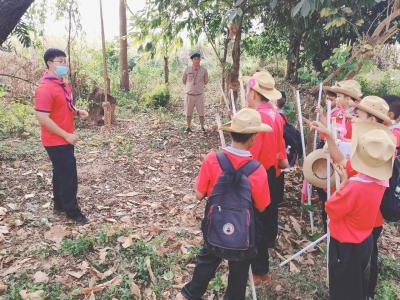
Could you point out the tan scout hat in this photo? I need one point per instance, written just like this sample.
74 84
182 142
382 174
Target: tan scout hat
376 106
372 149
314 168
348 87
246 120
263 83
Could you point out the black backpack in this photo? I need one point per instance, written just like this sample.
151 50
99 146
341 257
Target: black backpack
390 206
292 139
228 225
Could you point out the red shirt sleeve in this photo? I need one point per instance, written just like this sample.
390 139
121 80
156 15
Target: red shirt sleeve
203 179
260 189
281 155
340 204
43 100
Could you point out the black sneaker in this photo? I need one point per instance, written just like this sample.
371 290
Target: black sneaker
188 130
77 216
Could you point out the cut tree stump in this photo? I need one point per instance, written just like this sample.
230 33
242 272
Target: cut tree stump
96 111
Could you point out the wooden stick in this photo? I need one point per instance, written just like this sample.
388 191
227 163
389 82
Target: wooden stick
242 94
221 134
303 144
233 103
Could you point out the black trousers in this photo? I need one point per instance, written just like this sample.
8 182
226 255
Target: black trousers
267 227
65 177
349 269
322 197
204 271
373 279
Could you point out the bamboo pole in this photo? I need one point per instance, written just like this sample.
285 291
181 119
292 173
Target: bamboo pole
317 118
304 155
106 104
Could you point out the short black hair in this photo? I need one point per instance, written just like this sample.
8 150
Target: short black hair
394 104
282 101
195 55
241 137
51 54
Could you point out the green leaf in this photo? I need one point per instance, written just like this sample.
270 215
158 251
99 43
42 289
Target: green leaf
328 11
347 10
297 8
360 22
305 9
273 3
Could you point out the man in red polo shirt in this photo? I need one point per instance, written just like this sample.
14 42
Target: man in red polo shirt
269 149
243 127
55 112
354 210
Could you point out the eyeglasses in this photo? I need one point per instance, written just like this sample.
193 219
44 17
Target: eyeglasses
63 62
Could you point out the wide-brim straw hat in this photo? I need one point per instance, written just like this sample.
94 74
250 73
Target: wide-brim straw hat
246 120
314 168
263 83
372 149
376 106
347 87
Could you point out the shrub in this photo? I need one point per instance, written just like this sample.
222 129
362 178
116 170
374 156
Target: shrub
15 119
158 97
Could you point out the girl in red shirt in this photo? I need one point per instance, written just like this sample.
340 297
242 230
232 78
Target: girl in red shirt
354 209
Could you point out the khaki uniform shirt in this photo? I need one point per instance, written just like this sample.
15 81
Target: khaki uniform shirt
195 80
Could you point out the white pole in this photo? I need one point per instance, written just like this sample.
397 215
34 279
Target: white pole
252 286
233 103
303 144
223 95
309 246
221 134
328 184
317 119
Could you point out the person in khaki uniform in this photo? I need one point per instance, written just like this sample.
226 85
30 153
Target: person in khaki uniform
195 79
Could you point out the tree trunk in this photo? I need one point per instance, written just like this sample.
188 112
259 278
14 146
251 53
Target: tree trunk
123 43
166 70
69 43
11 11
293 58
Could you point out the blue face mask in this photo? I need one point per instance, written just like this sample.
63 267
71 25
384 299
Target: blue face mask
61 71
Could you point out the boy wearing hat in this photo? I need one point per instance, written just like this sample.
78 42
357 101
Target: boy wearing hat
269 149
354 210
243 128
195 79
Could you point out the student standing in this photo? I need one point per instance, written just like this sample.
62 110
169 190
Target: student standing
55 112
242 128
354 209
269 149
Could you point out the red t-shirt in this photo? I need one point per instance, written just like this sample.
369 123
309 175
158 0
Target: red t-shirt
210 170
353 210
50 97
269 147
351 172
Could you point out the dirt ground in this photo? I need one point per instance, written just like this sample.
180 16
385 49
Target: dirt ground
136 187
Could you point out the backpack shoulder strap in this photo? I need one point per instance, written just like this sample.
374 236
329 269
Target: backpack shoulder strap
249 167
224 162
